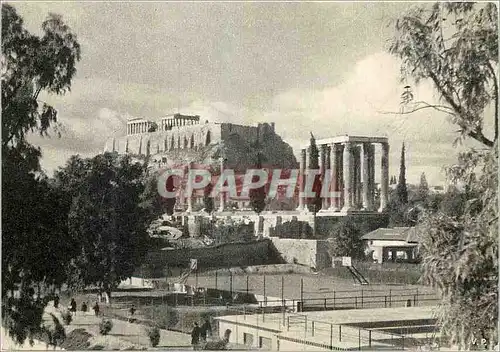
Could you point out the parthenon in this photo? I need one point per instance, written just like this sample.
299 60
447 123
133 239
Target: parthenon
140 125
351 162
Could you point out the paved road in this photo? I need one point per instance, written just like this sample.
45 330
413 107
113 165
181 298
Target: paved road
124 334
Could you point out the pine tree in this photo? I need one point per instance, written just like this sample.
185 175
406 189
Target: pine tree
423 187
208 201
315 203
401 191
258 195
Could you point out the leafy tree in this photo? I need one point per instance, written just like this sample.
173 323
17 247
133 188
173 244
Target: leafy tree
423 187
453 202
31 65
346 239
258 195
455 46
316 202
153 127
208 201
152 198
109 215
401 190
35 247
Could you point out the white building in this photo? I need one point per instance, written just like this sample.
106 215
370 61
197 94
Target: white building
398 244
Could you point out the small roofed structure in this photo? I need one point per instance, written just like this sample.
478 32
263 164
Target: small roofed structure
398 244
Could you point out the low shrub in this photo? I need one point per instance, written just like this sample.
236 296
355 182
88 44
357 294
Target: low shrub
76 340
66 317
105 326
154 335
165 317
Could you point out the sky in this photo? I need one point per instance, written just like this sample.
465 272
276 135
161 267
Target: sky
309 67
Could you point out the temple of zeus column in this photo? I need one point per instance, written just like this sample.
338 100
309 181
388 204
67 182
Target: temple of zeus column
350 164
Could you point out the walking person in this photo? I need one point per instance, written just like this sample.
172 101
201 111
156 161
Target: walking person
96 309
195 336
84 307
206 328
72 306
131 311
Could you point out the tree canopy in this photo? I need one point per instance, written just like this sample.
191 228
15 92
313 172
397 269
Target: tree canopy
33 224
455 46
346 239
108 215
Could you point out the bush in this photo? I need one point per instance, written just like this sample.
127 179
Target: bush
165 317
76 340
66 317
105 326
154 335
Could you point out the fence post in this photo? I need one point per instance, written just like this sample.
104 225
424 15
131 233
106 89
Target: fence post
312 328
359 339
369 338
356 302
331 336
283 291
385 301
247 285
265 298
416 298
231 283
361 298
340 333
403 342
287 323
302 290
390 298
305 327
333 299
216 271
325 303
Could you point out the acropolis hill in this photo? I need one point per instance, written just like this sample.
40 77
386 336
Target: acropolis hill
179 139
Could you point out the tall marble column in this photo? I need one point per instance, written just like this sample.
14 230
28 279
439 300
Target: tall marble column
372 175
302 173
357 178
367 201
384 179
348 184
322 164
327 177
334 167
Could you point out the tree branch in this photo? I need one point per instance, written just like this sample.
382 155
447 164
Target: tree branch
477 134
495 93
440 108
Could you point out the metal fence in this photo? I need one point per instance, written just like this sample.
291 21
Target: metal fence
304 329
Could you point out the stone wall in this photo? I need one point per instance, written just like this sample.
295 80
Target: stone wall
311 253
185 137
222 256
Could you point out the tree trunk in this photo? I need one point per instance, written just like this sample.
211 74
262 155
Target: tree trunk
107 296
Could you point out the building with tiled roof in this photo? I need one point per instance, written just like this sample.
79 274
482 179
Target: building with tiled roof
398 244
